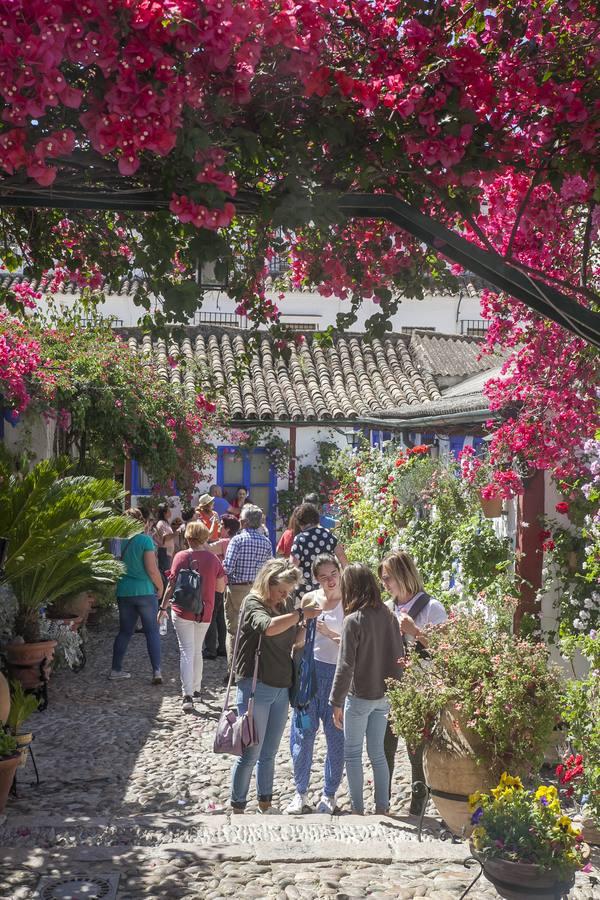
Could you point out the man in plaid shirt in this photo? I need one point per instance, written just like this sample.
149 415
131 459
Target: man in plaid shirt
247 552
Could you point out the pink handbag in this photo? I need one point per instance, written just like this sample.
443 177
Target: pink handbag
234 732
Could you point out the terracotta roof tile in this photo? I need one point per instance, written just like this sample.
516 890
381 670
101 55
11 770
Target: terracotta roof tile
450 354
352 379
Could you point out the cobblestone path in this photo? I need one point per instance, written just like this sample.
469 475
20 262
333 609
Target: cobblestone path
130 786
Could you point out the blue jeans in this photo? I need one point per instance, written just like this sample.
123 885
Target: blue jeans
271 706
366 717
130 608
302 741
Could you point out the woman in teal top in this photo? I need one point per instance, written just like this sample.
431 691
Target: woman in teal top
136 595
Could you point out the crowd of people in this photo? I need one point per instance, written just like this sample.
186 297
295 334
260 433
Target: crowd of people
256 609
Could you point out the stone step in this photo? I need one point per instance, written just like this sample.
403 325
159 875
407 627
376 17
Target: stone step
266 852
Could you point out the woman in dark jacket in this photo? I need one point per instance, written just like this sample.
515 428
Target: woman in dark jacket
268 616
371 650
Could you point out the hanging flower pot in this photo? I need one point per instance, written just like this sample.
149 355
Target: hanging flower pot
572 561
491 506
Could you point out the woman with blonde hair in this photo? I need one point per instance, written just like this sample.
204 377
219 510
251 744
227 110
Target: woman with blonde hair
191 627
415 610
371 651
267 629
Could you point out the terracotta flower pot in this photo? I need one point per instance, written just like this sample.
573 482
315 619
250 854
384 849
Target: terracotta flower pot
23 740
516 880
79 606
4 699
591 832
572 561
72 621
27 661
492 507
449 763
8 767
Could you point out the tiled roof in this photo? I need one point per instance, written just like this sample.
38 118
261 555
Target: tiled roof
350 380
450 354
126 287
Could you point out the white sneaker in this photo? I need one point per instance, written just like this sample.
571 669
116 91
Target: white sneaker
326 805
118 676
296 807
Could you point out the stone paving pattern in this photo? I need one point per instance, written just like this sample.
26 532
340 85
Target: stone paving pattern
130 785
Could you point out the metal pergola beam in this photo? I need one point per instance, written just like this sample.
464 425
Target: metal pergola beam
492 267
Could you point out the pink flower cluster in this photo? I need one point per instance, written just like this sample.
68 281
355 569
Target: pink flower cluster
19 360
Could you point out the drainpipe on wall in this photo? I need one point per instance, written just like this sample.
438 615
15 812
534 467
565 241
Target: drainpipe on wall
127 482
292 468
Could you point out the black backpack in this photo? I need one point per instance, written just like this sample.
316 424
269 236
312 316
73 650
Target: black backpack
188 590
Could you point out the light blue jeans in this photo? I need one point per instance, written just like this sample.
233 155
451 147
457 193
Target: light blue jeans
271 706
366 717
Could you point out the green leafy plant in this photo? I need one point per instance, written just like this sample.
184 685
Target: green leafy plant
22 706
8 744
526 826
502 687
57 526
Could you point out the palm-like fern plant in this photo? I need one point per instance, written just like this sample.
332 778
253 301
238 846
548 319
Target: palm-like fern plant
57 528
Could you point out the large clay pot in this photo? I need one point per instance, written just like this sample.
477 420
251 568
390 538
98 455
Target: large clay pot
516 880
491 508
4 699
8 766
449 763
27 661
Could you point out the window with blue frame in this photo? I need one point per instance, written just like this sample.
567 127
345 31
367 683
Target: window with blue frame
251 469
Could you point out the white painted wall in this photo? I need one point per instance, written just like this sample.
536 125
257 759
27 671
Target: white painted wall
444 313
31 434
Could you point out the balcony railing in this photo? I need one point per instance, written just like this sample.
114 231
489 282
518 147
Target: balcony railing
474 327
222 319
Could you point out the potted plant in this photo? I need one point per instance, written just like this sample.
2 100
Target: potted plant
484 702
58 527
9 760
22 706
477 471
527 846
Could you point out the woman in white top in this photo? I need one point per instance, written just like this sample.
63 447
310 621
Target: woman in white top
415 611
326 571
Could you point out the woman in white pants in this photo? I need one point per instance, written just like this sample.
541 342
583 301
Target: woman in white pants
190 628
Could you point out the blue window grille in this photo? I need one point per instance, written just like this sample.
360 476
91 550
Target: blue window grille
246 481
